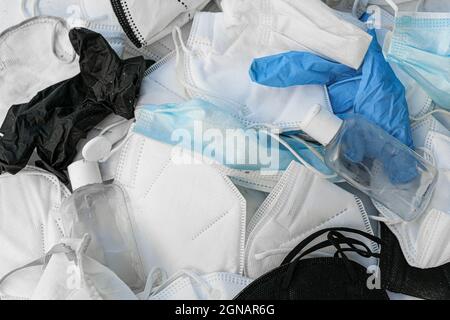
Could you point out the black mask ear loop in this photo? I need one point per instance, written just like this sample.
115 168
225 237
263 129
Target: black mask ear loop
297 250
335 238
327 243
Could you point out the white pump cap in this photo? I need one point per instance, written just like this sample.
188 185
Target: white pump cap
321 125
83 173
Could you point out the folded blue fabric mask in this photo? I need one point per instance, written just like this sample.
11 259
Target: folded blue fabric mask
420 46
372 91
211 131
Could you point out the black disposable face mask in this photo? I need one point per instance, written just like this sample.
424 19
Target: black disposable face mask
57 118
398 276
333 278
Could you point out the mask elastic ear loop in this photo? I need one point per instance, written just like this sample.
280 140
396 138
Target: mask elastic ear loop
355 8
191 275
307 145
180 46
393 6
121 143
23 8
42 261
318 155
385 220
445 112
428 153
53 40
113 125
420 5
155 279
298 157
270 253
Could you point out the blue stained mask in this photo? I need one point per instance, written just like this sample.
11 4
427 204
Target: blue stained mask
212 131
420 46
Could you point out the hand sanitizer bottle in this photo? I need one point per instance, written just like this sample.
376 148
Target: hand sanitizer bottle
374 162
101 211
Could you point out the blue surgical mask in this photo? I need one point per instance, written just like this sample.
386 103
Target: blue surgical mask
204 128
420 46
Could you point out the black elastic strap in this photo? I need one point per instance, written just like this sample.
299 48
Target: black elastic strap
334 238
298 249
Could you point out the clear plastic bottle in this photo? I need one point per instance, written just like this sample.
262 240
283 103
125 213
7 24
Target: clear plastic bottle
374 162
101 211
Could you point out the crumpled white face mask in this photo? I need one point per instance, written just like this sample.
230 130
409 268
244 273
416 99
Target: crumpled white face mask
214 66
191 285
33 56
186 215
425 242
30 226
303 23
160 85
148 21
437 121
94 15
159 49
294 210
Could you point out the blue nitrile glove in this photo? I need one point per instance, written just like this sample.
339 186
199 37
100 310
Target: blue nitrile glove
372 91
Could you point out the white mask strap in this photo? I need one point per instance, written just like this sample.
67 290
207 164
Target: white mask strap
420 5
155 279
440 111
428 155
297 156
43 261
273 252
23 8
100 148
181 49
393 6
385 220
117 147
113 125
53 40
355 8
187 273
177 37
307 145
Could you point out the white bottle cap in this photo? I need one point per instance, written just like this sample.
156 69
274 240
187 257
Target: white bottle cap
83 173
321 125
97 149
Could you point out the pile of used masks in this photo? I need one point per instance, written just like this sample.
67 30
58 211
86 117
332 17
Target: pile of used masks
160 150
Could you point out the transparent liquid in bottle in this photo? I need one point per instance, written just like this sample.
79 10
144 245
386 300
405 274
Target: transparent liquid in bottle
382 167
100 210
